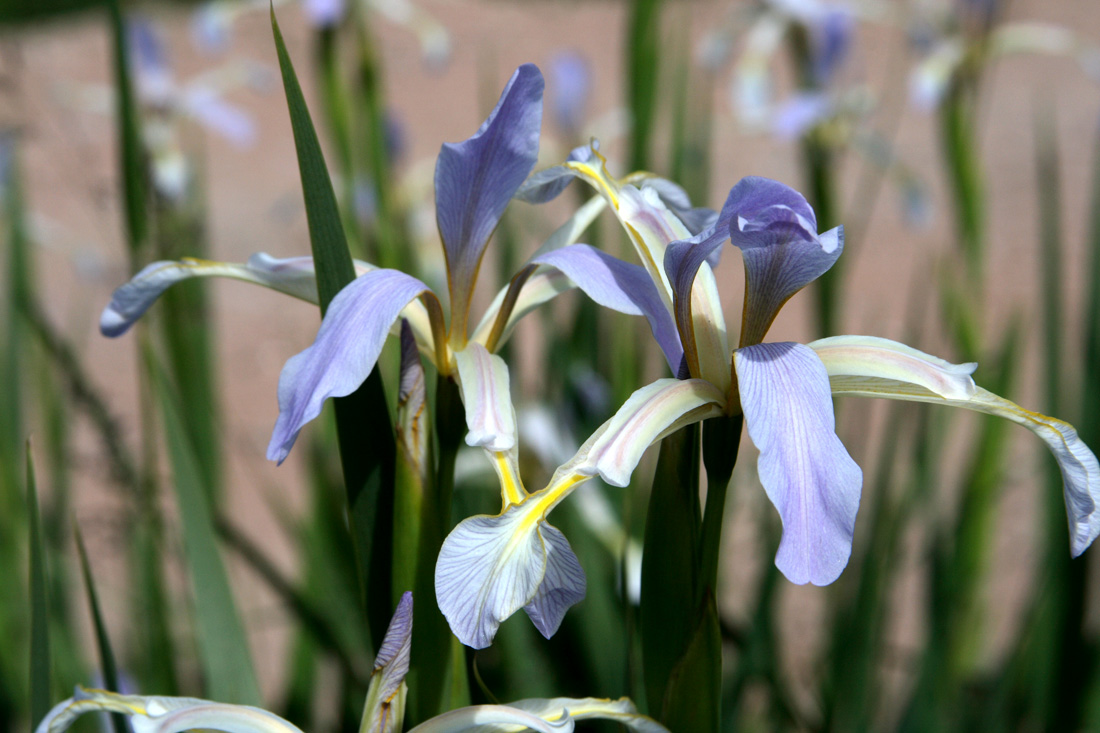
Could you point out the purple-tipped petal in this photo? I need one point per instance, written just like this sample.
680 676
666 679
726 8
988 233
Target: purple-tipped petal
562 585
348 343
805 469
776 231
475 180
621 286
393 656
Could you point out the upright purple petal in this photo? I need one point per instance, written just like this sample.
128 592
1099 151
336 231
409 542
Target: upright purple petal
806 471
776 230
475 180
348 343
621 286
393 655
562 585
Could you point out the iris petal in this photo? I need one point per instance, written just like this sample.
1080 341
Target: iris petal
562 584
621 286
776 231
489 568
873 367
806 471
344 353
294 276
475 180
490 417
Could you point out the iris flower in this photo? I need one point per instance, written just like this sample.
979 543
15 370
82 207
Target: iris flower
474 182
383 712
784 390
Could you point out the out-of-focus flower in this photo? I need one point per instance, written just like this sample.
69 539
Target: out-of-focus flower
212 23
384 710
570 85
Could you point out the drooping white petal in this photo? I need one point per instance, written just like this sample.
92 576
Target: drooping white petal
562 585
489 568
873 367
492 719
621 711
650 414
805 469
159 714
293 276
490 416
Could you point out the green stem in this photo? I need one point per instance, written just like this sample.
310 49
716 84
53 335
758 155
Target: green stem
721 438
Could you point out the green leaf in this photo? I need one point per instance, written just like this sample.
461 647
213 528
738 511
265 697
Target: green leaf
367 446
103 641
130 146
41 694
694 693
643 65
670 563
223 645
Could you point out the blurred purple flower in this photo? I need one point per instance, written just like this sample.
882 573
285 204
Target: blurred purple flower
570 84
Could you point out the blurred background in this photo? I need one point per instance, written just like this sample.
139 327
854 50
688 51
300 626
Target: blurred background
955 140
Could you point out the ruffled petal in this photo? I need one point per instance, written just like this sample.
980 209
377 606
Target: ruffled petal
562 584
345 351
805 469
874 367
475 180
776 231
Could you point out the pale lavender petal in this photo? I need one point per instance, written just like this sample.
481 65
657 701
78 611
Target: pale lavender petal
488 568
562 585
832 36
475 180
805 469
621 286
324 13
344 354
217 115
801 113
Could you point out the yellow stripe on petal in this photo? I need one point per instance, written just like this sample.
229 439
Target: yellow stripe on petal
871 367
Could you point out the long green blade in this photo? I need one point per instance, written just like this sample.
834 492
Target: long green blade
367 446
223 646
41 696
103 641
129 134
670 565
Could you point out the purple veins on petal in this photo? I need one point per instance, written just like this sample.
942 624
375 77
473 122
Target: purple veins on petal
344 353
475 179
805 469
563 583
